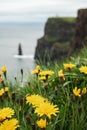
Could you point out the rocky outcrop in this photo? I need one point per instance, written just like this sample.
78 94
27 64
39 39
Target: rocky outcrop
54 44
62 36
59 30
20 49
81 30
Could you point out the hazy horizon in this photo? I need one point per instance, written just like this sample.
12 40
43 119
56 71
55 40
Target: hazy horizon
38 10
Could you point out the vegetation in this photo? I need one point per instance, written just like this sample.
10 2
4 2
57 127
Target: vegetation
67 19
53 98
50 38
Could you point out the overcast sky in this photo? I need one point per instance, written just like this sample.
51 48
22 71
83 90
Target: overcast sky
38 10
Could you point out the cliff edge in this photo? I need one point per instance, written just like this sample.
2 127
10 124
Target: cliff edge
61 37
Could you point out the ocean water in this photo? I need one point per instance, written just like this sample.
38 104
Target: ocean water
10 36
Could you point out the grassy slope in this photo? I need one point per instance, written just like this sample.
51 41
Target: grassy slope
56 90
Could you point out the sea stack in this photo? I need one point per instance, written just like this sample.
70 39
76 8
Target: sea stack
20 49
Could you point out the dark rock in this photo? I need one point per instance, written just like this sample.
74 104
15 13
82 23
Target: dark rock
81 30
42 49
58 52
20 49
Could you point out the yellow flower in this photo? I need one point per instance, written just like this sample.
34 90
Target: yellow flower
38 67
83 69
60 74
11 124
41 123
47 109
46 72
1 79
1 92
35 100
84 91
69 66
6 89
4 69
36 70
77 92
43 78
6 113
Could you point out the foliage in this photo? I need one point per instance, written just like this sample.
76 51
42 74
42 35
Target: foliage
51 39
67 19
60 87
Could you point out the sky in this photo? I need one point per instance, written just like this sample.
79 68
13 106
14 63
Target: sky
38 10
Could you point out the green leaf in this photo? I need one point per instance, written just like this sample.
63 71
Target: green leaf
66 83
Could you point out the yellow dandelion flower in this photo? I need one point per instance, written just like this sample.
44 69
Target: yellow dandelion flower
83 69
6 89
1 92
1 79
35 100
61 74
6 113
84 91
47 109
11 124
77 92
43 78
38 67
36 70
41 123
46 72
69 66
4 69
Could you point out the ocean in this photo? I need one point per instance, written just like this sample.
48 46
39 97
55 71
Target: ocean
11 34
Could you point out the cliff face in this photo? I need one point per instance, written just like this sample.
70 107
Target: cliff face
55 43
58 36
81 30
59 29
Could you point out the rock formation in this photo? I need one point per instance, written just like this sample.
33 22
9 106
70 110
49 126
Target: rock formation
20 49
81 30
54 44
62 37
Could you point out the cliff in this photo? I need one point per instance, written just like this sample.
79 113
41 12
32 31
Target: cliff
80 39
54 45
61 37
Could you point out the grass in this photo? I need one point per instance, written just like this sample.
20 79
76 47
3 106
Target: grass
67 19
63 86
51 39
